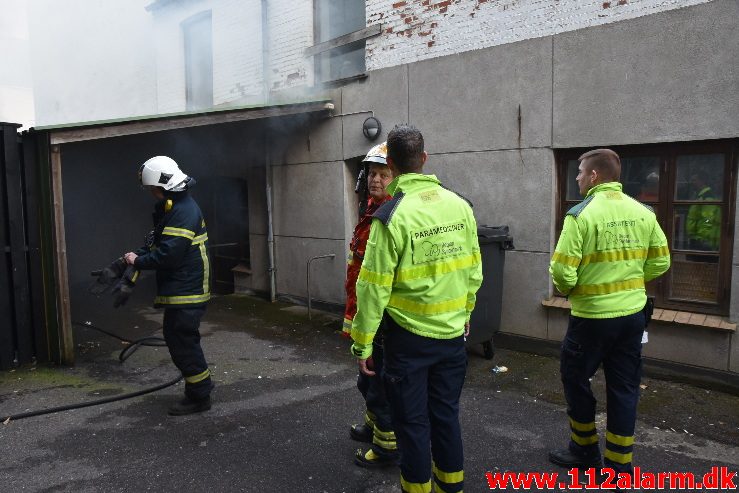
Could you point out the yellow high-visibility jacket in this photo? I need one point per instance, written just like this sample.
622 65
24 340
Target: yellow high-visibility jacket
422 263
610 246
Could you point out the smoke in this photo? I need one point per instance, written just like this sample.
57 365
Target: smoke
96 60
16 94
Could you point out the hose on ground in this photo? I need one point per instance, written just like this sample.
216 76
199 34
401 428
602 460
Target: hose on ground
132 347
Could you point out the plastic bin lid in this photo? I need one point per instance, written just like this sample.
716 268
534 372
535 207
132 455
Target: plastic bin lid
495 234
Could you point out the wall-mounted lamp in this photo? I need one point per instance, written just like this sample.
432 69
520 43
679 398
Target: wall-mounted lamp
371 128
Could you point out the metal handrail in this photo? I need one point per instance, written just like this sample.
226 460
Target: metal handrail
307 277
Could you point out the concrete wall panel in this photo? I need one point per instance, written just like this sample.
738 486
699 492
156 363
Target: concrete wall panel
257 200
524 286
688 345
314 142
470 101
557 322
665 77
259 258
734 354
327 275
386 93
308 200
505 187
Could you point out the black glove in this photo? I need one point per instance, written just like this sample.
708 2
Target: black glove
107 276
124 287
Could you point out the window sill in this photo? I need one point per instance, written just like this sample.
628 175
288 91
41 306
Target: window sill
664 316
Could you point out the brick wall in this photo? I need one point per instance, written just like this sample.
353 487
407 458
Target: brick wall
416 30
237 49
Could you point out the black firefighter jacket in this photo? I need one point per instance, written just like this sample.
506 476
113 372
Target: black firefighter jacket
178 253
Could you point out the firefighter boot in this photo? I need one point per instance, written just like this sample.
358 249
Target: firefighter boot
361 433
189 406
372 460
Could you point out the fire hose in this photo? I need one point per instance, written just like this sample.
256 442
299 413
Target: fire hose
132 347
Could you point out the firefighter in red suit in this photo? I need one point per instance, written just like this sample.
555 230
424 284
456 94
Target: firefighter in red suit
376 428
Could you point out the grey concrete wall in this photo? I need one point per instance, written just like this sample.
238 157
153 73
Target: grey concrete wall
327 275
685 344
659 78
470 101
664 77
385 93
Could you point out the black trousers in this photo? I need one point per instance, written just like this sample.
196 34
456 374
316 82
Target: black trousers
378 413
183 341
616 344
423 380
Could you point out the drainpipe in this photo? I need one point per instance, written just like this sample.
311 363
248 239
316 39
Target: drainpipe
270 230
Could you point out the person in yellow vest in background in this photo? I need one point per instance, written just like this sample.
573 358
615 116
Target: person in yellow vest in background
704 221
420 274
610 246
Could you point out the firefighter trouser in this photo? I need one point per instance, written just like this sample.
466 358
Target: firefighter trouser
378 415
423 380
183 341
616 343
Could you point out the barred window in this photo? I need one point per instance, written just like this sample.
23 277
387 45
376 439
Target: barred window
691 187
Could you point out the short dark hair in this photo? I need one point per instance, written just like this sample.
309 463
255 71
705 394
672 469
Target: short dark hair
605 161
405 148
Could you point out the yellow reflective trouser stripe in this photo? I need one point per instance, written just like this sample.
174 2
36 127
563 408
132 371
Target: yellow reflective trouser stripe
369 418
200 239
609 287
185 233
624 441
181 300
589 440
347 325
409 487
448 477
384 435
576 425
206 268
135 276
199 377
618 458
439 268
663 251
386 444
376 277
614 256
427 308
561 258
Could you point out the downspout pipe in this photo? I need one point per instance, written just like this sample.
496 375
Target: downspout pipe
268 154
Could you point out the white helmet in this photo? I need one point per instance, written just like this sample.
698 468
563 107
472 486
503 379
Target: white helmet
162 171
378 154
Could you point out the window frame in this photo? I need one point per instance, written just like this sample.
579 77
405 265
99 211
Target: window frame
667 153
323 48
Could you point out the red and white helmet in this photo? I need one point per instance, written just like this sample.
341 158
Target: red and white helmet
378 154
162 171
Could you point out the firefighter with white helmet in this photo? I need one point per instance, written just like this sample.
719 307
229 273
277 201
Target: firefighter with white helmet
177 250
376 428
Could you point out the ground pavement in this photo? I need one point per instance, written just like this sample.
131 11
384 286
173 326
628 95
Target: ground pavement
284 400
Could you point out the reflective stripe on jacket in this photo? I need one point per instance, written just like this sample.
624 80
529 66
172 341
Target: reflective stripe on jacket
179 253
422 263
356 255
610 246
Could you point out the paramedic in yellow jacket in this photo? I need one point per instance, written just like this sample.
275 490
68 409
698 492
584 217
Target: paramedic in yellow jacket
420 273
610 246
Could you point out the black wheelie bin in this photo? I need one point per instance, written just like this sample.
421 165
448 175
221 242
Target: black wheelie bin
485 320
